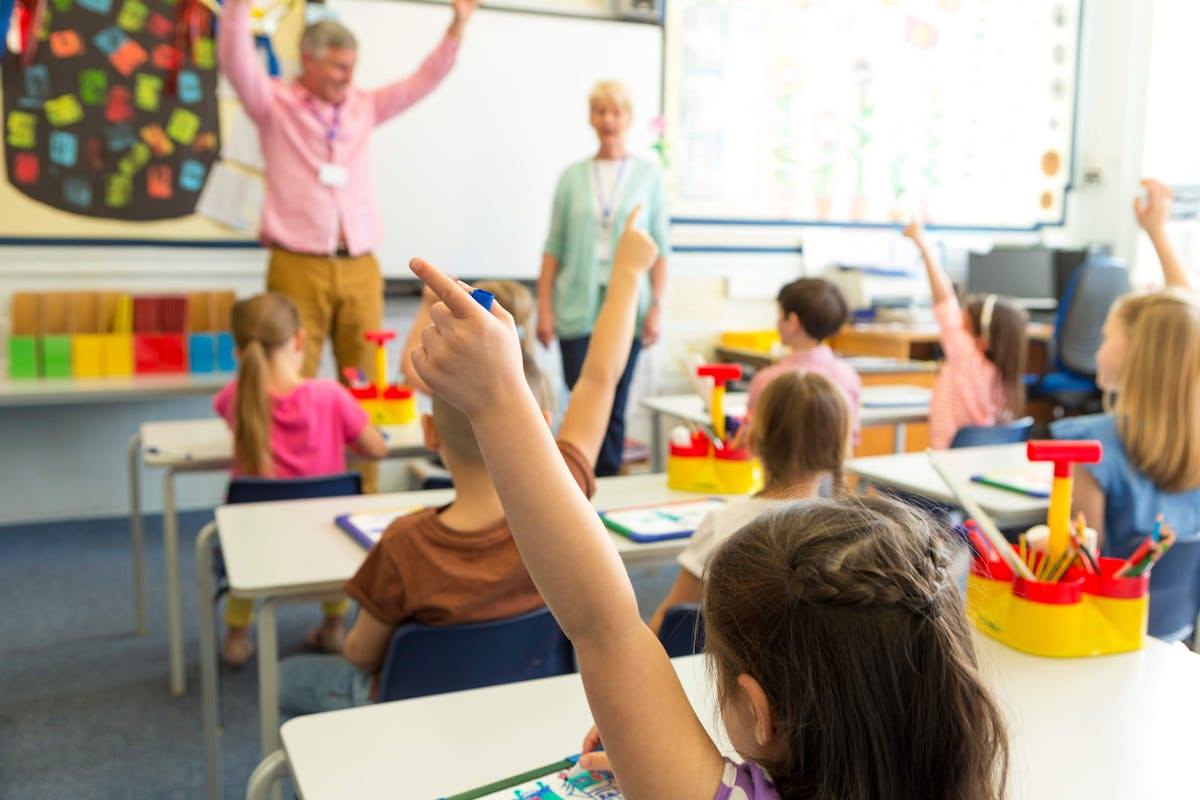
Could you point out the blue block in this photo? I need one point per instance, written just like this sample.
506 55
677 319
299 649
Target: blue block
225 358
202 352
190 90
110 39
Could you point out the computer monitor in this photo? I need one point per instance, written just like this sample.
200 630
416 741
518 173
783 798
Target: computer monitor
1025 274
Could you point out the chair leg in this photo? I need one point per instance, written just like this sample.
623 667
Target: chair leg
209 695
266 774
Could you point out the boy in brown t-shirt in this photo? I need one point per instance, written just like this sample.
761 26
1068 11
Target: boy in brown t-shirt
459 563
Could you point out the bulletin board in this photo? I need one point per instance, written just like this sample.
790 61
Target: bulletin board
861 112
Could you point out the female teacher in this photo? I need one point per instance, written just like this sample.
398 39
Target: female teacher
591 202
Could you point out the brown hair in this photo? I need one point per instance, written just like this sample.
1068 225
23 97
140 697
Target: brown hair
801 427
818 304
845 614
453 427
517 300
261 325
1158 401
1006 348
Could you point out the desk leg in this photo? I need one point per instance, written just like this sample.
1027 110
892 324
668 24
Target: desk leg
656 443
898 435
174 598
136 532
209 693
268 676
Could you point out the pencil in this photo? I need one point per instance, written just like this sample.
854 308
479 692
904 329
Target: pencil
1024 549
1141 552
1158 521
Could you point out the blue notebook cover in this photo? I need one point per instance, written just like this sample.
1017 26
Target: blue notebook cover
365 527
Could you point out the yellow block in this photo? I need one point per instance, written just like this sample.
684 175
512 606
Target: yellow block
713 476
762 340
87 355
118 354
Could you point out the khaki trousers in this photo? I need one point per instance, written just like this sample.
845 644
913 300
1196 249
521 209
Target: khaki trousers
340 297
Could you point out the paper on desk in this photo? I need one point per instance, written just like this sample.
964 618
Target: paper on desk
232 198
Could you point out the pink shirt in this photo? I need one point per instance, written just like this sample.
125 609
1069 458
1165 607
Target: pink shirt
310 427
822 361
300 133
968 389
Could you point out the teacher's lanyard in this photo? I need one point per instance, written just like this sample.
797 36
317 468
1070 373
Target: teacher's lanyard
606 206
331 128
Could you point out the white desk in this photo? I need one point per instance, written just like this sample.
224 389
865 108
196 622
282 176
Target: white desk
1115 727
912 472
116 389
196 445
875 408
293 552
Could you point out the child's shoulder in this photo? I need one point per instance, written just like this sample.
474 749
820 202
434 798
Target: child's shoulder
1093 426
739 512
400 532
745 782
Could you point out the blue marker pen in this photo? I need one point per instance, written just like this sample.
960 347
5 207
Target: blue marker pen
484 298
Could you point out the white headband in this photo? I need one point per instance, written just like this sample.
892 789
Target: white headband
985 315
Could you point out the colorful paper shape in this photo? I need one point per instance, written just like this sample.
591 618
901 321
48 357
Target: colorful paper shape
64 110
205 142
189 88
166 57
191 175
118 190
77 191
132 16
147 91
22 129
203 55
98 6
128 57
109 40
93 87
26 168
64 148
120 104
156 137
37 81
120 137
183 126
65 44
159 181
63 6
159 26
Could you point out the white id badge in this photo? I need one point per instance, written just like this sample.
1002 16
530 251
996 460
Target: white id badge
332 175
604 246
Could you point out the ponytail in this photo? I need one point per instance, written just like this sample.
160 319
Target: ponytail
252 435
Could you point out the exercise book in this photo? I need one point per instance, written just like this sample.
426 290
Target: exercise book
562 780
1031 484
662 521
365 527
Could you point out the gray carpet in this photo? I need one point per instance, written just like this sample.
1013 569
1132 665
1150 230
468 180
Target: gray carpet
84 706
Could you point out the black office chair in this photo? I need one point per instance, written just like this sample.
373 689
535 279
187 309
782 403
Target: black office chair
1069 379
1004 433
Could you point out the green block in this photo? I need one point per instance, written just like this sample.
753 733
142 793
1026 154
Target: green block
22 357
56 356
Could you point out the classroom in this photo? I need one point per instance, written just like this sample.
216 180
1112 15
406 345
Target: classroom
869 330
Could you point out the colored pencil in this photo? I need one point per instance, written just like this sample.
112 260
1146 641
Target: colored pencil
1141 552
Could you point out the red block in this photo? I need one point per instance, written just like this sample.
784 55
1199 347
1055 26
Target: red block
128 57
64 44
25 168
159 26
120 104
166 57
158 181
159 352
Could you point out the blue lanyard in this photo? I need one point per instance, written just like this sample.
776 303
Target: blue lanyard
331 128
606 206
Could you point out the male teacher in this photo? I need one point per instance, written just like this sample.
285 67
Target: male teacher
321 219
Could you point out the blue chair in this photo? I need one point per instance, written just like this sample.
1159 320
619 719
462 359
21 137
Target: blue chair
1070 379
682 631
1175 592
981 435
432 659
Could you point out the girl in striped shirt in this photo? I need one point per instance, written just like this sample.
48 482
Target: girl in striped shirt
981 381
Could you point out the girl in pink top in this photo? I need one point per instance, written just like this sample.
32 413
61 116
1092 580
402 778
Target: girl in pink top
285 426
981 382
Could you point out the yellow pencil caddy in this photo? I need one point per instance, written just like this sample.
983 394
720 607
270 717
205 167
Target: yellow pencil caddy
700 467
1084 614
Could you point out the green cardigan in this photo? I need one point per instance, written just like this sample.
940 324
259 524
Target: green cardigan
578 292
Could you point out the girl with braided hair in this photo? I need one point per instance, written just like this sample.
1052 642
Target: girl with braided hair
843 658
801 432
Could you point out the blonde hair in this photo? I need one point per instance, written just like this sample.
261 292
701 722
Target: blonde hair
1158 399
800 428
610 91
517 300
261 326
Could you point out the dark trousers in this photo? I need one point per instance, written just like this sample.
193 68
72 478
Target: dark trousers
608 462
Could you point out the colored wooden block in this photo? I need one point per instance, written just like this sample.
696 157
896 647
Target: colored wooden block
159 352
53 316
56 356
87 355
118 354
202 352
226 361
22 357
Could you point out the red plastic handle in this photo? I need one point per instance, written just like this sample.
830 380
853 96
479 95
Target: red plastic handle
720 373
379 337
1064 453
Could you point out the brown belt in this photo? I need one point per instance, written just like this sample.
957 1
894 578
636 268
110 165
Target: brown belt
341 252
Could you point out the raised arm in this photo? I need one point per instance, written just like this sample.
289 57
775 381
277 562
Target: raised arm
238 60
656 745
390 100
939 282
586 417
1152 214
420 322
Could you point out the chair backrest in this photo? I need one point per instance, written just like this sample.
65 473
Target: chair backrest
263 490
1008 433
431 659
682 631
1094 287
1175 591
